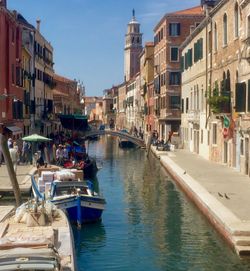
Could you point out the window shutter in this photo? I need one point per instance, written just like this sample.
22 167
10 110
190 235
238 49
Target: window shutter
170 29
201 48
248 90
182 64
240 97
179 29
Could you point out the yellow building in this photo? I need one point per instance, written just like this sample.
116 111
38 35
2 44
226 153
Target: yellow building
44 83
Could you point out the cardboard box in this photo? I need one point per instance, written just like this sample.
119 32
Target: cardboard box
48 168
78 173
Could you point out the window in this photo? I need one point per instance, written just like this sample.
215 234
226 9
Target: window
187 105
241 147
174 54
198 50
236 20
208 138
174 29
225 29
174 78
175 102
210 41
240 97
201 136
214 134
182 105
215 38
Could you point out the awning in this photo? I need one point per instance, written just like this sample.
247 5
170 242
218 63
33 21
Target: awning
14 130
74 122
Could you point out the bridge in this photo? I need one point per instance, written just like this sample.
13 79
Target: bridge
137 141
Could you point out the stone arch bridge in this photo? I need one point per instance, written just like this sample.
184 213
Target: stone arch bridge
137 141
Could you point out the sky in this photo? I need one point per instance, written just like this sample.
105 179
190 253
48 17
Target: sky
88 36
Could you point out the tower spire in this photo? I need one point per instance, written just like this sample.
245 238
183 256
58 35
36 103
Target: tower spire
133 13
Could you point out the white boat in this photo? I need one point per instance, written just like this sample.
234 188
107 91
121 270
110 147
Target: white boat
36 237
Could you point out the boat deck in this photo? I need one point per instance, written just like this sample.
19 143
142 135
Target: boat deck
58 234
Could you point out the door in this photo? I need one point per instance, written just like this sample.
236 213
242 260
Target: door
247 156
225 152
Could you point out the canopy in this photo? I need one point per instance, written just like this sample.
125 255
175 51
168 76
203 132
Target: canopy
36 138
74 122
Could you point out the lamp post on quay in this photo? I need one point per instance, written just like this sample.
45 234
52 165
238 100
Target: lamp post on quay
8 161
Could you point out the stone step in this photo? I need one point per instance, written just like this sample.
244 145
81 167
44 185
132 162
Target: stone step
241 240
243 250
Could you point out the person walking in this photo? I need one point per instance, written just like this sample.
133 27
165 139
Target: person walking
14 156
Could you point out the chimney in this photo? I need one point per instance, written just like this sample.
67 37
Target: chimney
3 3
38 22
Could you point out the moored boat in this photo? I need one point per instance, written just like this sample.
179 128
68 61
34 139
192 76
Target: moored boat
76 197
37 237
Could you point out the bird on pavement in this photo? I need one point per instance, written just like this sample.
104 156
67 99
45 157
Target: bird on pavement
226 196
220 194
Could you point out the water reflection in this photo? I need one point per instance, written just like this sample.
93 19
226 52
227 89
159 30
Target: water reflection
90 237
148 224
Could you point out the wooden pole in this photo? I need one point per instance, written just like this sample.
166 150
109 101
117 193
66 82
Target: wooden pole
10 168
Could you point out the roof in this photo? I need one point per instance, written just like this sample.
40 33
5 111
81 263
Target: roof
59 93
190 11
62 78
194 11
23 21
149 43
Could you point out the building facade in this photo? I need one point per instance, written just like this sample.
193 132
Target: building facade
169 33
11 81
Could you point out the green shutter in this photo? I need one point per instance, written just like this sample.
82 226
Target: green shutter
201 48
182 64
240 97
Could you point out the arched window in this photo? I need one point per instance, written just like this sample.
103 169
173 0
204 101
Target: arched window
215 38
236 20
225 29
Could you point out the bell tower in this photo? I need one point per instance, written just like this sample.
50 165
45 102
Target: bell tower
133 48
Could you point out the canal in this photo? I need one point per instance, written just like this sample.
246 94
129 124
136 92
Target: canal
148 224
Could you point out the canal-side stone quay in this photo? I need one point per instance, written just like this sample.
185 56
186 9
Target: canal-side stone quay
221 193
23 175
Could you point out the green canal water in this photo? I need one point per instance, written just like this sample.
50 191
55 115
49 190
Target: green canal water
148 224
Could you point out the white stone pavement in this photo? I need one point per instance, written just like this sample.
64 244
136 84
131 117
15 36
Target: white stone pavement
23 178
220 192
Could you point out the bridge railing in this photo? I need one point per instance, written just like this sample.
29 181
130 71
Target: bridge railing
138 141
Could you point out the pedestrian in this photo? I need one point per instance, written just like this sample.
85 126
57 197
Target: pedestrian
25 152
1 155
14 156
170 133
59 155
10 143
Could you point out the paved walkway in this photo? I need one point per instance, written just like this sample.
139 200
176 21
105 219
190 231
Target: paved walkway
222 192
23 178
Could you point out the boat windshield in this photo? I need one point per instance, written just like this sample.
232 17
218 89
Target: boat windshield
70 190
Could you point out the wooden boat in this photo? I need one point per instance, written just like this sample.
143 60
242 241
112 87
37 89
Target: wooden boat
36 237
125 143
77 198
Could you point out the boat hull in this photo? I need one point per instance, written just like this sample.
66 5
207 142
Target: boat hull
89 211
126 144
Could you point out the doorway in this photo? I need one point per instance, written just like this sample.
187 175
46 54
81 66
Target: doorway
246 156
